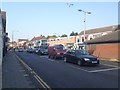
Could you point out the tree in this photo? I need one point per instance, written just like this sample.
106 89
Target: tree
51 36
63 35
73 34
47 36
76 34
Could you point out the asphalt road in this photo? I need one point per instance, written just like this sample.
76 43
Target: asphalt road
58 74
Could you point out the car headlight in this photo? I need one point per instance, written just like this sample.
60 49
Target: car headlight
98 58
58 53
86 59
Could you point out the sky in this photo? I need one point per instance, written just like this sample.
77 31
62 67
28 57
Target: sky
29 19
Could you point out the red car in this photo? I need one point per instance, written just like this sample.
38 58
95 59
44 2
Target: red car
56 51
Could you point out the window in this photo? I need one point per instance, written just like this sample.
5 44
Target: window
78 40
44 40
82 39
90 38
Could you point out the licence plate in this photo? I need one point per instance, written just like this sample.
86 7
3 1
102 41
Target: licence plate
94 61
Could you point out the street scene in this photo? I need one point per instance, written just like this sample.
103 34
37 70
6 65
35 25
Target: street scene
59 45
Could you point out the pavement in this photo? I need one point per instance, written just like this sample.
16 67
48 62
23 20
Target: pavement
13 73
0 77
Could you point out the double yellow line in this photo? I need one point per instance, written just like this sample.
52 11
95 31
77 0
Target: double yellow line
41 82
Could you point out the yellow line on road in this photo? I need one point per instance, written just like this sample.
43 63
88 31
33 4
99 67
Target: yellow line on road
44 85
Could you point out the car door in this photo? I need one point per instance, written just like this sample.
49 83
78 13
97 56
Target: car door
67 55
72 56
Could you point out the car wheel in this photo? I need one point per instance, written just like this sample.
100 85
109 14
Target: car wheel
55 57
49 56
79 63
65 59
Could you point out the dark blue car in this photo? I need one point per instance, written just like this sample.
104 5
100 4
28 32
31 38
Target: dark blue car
80 57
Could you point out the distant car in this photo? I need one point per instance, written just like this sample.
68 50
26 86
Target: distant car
20 50
30 50
42 51
80 57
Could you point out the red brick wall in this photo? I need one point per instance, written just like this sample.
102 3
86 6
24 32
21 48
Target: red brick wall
106 51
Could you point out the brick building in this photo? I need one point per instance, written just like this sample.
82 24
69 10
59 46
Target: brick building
106 47
66 41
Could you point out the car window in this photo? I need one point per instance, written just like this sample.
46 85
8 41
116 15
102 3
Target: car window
71 52
81 52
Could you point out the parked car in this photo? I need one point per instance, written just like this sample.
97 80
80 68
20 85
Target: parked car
20 50
42 51
80 57
30 50
56 51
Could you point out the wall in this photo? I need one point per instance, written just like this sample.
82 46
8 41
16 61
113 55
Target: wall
1 50
64 41
106 51
1 40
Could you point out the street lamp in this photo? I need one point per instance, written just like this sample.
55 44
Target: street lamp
84 21
13 37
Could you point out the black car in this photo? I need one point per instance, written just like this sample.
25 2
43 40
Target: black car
42 51
80 57
30 50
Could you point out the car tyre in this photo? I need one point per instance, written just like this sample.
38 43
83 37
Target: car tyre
55 57
79 63
65 59
49 56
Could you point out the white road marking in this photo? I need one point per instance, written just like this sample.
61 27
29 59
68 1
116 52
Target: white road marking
53 60
22 70
78 68
26 75
109 65
101 70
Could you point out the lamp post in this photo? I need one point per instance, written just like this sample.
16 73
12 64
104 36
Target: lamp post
84 22
13 37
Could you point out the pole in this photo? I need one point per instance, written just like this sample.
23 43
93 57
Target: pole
84 30
12 39
84 25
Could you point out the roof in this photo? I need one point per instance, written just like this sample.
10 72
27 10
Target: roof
38 38
19 40
109 38
102 29
52 37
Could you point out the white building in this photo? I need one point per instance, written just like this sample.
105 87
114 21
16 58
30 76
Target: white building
39 41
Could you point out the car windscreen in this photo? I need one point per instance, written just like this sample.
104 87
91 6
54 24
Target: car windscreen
59 48
81 52
43 49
